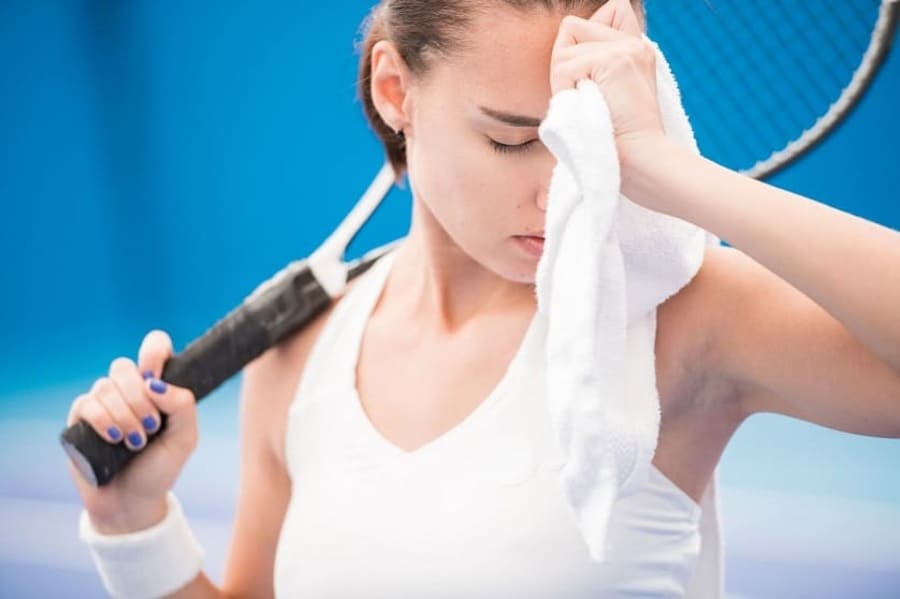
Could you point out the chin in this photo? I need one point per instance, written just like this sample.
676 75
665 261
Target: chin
507 261
515 269
524 277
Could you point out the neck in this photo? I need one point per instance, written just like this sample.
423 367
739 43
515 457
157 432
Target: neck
441 287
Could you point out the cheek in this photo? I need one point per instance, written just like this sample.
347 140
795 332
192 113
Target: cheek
477 196
460 179
485 196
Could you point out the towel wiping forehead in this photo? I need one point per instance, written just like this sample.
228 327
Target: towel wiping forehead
608 263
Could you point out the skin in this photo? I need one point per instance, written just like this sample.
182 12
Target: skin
763 327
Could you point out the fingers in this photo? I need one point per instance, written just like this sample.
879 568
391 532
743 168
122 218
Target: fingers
105 397
579 37
125 408
180 407
170 399
86 408
155 349
615 20
575 30
619 15
131 403
595 60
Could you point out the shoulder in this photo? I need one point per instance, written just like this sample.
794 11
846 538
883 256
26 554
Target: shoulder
267 386
270 382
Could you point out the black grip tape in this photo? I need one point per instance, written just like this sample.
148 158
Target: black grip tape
244 334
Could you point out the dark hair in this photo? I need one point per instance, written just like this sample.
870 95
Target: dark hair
422 28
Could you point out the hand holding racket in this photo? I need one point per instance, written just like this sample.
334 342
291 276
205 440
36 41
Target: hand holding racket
126 408
275 310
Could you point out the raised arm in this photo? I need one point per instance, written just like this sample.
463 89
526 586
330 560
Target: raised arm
808 325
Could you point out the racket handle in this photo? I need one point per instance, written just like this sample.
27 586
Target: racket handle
285 303
276 309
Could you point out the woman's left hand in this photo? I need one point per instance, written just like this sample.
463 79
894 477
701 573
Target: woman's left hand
609 49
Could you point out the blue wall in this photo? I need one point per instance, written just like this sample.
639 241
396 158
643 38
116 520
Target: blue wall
159 160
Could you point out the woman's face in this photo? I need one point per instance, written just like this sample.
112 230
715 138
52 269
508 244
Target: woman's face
473 193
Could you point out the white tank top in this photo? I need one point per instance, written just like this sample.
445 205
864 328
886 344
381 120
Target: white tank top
477 512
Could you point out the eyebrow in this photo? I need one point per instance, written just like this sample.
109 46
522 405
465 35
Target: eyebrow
516 120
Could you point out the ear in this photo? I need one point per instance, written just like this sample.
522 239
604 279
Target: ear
390 85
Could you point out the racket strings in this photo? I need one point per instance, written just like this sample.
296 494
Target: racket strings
720 105
708 72
755 81
810 88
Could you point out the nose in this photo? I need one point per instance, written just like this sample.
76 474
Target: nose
541 199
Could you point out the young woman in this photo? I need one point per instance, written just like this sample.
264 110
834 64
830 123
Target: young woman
373 441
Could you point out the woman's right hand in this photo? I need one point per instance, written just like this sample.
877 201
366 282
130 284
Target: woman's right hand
123 407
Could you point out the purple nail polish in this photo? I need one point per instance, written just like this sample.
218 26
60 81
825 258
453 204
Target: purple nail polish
149 423
114 433
157 386
147 374
134 439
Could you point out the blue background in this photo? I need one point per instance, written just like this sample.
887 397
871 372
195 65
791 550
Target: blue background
158 160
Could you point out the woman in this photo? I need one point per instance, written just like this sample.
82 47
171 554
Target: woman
425 340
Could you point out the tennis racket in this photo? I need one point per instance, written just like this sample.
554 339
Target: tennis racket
765 82
277 308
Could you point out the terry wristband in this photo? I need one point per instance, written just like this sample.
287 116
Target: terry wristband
149 563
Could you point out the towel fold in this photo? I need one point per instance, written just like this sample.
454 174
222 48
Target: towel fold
607 264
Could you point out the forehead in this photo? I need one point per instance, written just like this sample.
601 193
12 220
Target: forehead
506 60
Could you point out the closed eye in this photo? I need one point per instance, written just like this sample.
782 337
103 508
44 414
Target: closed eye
509 148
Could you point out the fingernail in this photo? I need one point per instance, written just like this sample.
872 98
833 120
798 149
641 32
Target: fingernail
148 374
157 386
149 424
134 439
114 433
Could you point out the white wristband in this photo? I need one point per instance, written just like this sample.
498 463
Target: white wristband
149 563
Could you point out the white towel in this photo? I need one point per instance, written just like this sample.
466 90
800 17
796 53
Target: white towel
607 264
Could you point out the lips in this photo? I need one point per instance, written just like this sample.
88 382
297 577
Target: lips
533 244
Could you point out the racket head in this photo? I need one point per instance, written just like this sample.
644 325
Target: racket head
764 87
